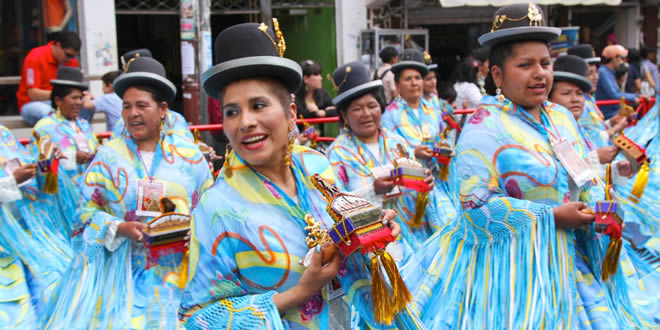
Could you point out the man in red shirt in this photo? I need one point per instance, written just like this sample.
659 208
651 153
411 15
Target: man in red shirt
39 68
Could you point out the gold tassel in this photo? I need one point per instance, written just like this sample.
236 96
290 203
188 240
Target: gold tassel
226 167
611 260
640 182
420 208
183 275
400 294
50 183
380 293
443 172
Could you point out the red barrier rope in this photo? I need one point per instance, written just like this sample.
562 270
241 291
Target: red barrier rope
644 106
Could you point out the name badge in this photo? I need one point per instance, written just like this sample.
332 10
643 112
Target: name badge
335 289
576 167
149 194
81 142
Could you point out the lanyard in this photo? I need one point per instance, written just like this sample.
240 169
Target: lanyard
382 145
158 155
540 126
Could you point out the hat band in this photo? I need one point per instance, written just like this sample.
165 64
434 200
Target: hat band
533 15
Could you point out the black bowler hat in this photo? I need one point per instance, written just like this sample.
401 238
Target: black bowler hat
142 52
573 69
411 59
519 22
586 51
69 76
145 71
250 50
352 81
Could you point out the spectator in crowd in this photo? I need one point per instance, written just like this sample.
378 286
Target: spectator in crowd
633 82
468 94
39 67
72 134
648 56
311 99
109 103
447 92
608 89
389 56
621 74
481 55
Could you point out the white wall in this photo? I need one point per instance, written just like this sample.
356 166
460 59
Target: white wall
350 18
626 29
98 31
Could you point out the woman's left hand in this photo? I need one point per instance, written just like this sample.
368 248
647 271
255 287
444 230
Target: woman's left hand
388 220
57 152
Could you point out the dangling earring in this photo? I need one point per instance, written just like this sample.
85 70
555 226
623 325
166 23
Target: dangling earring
287 158
59 112
499 96
162 123
225 166
346 128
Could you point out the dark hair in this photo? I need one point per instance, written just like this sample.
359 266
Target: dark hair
67 39
110 77
310 67
61 92
480 54
156 94
633 58
465 71
388 53
397 75
489 85
447 92
377 93
644 52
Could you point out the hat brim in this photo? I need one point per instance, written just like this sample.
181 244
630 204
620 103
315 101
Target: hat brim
592 60
69 83
545 33
221 75
126 80
421 67
576 79
432 67
356 91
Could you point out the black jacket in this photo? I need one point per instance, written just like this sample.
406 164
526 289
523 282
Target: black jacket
321 98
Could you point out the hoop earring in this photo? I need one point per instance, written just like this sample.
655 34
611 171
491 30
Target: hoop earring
226 167
287 158
499 96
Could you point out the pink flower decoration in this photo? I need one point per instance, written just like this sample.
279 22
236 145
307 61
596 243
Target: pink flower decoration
567 198
479 116
513 189
97 198
311 308
195 199
342 174
342 266
130 216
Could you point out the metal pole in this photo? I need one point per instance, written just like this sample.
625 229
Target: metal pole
266 11
189 24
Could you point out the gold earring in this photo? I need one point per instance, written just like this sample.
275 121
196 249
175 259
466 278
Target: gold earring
287 158
226 167
59 112
499 96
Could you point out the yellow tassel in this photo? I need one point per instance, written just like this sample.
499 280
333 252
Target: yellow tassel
611 260
50 183
443 173
640 182
400 294
420 207
380 294
183 275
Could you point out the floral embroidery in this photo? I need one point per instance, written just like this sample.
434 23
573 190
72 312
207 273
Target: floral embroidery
130 216
313 307
479 116
225 287
98 199
513 189
194 199
342 175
